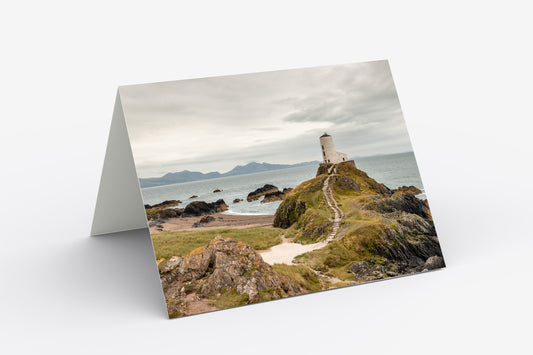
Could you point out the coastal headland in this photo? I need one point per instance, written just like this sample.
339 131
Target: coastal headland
340 228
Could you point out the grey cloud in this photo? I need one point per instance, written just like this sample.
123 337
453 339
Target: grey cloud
213 124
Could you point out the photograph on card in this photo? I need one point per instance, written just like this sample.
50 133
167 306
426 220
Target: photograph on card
269 185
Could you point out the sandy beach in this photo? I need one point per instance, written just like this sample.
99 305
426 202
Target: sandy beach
221 221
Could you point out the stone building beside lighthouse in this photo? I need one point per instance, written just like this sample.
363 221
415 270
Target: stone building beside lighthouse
329 153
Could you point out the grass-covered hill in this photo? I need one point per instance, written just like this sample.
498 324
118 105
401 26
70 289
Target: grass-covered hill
380 233
383 233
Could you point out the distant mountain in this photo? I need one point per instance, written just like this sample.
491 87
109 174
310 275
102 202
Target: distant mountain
254 167
186 175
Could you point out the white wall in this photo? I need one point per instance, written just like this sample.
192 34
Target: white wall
463 73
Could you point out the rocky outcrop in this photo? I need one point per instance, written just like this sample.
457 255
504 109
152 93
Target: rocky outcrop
237 200
399 202
276 196
193 209
203 221
255 195
364 271
156 216
217 190
433 262
201 208
288 212
164 204
193 196
408 190
223 267
383 232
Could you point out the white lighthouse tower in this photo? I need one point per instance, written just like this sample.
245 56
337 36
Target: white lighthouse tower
329 153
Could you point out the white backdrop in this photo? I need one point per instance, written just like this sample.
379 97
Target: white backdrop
464 77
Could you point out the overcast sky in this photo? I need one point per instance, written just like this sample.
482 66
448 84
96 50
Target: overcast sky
214 124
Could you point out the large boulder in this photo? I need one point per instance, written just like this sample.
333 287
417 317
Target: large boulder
254 195
203 221
201 208
276 196
163 214
164 204
433 262
223 265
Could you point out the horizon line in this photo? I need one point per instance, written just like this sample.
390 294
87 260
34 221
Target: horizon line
302 162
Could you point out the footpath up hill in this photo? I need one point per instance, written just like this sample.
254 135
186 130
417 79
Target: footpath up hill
382 232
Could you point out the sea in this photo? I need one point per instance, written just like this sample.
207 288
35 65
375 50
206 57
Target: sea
393 170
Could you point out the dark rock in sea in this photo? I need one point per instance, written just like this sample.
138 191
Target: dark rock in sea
224 266
201 208
203 221
167 203
408 190
217 190
237 200
254 195
163 214
276 195
193 196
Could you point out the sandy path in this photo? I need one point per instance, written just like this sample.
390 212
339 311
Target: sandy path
285 252
337 212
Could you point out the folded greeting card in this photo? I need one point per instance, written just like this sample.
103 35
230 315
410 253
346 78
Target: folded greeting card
247 195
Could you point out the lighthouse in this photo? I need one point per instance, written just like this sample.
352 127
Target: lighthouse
329 153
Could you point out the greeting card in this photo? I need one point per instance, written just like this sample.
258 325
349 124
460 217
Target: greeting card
268 185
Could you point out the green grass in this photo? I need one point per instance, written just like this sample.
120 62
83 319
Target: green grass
355 245
229 298
269 294
341 273
181 243
299 274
